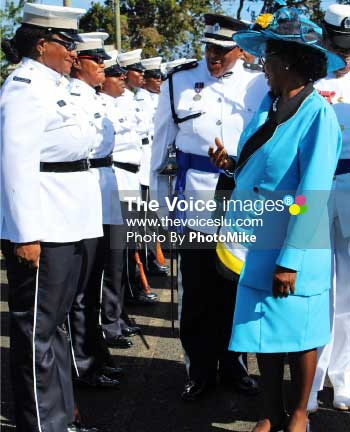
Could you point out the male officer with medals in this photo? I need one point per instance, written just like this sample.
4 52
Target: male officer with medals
215 97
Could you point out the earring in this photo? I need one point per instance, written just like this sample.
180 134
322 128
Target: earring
286 68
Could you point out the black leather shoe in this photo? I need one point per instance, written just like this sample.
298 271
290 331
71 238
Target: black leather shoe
97 380
77 427
194 390
119 342
155 269
144 299
151 295
112 372
131 331
245 385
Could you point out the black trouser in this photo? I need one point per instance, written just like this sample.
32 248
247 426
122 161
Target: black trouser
130 283
112 301
207 314
149 250
39 302
98 297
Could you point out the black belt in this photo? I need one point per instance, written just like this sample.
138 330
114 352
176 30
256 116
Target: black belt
63 167
106 161
127 166
343 167
145 141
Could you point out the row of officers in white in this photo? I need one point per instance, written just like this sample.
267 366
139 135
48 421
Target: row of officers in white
71 155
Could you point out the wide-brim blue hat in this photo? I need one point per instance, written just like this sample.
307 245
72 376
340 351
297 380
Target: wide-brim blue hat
288 26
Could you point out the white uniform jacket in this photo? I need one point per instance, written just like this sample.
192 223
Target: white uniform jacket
95 106
41 124
338 92
128 145
147 102
226 106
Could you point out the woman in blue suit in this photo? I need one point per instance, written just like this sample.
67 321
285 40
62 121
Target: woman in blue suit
290 149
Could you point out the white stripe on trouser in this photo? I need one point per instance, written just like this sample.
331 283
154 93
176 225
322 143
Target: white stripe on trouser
127 272
180 292
34 330
71 347
100 305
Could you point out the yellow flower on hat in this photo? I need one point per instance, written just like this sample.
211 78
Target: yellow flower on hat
264 20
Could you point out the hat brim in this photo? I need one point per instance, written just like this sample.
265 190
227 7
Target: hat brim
115 70
222 43
95 52
153 73
254 42
74 36
138 67
339 39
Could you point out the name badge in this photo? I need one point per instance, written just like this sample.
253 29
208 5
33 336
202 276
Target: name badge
20 79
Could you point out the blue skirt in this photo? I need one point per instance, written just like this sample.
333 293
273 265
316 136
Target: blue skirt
264 324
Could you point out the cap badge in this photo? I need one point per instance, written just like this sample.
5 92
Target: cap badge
216 28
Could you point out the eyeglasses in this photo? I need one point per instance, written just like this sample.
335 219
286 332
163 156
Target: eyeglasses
70 46
97 59
263 60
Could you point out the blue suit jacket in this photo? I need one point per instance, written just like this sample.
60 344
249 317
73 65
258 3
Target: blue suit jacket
299 159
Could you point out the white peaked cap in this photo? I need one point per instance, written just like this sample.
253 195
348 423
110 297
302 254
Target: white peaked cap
92 41
338 15
130 58
114 58
59 17
152 63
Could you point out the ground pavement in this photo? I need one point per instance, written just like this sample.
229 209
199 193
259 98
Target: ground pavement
148 398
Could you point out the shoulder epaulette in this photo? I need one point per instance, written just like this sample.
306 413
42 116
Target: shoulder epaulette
183 67
176 118
20 79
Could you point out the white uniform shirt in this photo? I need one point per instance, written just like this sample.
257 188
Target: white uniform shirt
227 106
127 146
41 124
147 102
95 106
341 105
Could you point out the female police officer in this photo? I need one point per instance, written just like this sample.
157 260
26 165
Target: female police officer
48 195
